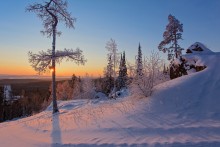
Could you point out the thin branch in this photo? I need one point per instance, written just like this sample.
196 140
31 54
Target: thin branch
51 13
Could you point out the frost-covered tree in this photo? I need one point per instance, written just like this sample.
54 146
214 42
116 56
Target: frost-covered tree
87 83
88 87
77 85
109 71
119 81
111 46
64 91
151 75
108 85
52 12
73 81
139 64
171 36
98 83
124 68
152 68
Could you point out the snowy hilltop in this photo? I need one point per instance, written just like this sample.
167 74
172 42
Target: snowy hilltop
181 112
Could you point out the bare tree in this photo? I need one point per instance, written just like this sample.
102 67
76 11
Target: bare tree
51 13
152 67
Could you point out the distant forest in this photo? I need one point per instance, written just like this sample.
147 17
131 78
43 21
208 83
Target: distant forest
33 94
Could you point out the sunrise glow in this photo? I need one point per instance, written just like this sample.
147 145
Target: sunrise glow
128 24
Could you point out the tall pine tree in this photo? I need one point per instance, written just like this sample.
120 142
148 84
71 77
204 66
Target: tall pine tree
109 80
124 71
139 64
122 77
171 36
170 44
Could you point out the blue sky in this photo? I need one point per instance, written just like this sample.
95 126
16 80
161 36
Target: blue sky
127 21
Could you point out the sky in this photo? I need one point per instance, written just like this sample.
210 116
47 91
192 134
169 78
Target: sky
128 22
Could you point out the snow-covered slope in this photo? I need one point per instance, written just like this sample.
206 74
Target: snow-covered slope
197 94
182 112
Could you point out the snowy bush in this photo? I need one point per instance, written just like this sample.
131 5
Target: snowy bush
152 75
152 68
142 86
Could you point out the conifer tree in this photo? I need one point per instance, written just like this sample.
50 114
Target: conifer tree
121 80
80 85
111 46
109 70
122 77
139 64
73 81
109 80
124 71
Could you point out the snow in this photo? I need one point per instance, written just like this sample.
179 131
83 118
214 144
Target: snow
180 113
205 50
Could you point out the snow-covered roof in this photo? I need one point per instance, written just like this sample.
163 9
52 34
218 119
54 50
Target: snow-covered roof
198 47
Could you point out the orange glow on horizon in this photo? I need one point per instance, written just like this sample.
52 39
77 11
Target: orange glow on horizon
23 68
28 71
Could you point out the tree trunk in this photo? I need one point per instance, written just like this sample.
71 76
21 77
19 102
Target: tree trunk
55 108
